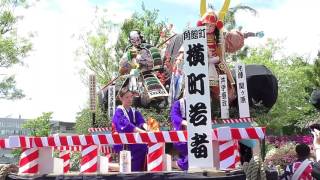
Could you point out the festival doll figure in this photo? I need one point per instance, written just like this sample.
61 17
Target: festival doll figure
178 121
218 43
213 26
127 120
137 55
140 62
129 63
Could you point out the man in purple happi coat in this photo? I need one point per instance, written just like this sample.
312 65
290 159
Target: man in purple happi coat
178 120
127 120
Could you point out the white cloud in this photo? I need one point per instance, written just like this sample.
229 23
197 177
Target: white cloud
51 80
294 21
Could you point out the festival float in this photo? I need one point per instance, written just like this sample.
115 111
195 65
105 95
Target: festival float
192 70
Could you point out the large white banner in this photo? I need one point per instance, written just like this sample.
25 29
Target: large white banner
243 99
198 109
111 100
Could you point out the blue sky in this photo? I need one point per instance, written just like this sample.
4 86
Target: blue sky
51 79
182 12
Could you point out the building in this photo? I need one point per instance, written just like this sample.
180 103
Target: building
12 126
66 128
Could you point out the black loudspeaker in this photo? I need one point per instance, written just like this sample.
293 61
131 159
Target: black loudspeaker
315 98
262 86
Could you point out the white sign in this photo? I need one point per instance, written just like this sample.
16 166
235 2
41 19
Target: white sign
125 161
92 90
111 100
224 101
243 99
198 114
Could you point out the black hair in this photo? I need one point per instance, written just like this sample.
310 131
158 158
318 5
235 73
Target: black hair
302 150
217 35
123 91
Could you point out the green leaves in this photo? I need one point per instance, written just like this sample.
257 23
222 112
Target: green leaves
99 58
292 108
12 48
313 74
39 126
97 51
84 120
229 20
7 20
8 89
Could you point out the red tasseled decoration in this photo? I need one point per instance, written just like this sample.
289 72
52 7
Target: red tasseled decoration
199 23
219 24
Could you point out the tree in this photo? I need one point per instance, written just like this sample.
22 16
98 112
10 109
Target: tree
314 74
230 21
292 108
12 48
39 126
84 120
97 50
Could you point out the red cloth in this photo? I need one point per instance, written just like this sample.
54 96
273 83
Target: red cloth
306 175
